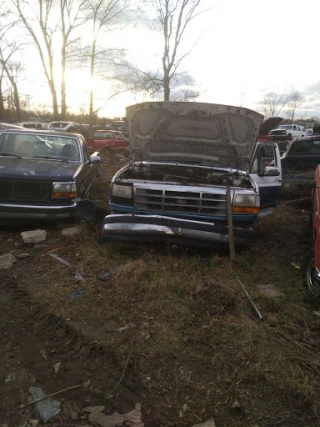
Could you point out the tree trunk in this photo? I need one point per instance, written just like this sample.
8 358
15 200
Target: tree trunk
16 101
166 86
2 112
92 65
63 80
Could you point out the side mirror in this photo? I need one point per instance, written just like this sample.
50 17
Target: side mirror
271 171
94 160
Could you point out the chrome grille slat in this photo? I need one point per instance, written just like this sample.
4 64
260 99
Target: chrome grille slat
197 202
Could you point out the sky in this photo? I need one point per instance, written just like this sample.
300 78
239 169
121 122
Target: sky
239 48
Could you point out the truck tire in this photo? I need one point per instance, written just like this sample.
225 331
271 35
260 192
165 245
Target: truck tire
289 136
311 279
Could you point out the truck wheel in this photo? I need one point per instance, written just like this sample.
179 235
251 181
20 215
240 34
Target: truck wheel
311 277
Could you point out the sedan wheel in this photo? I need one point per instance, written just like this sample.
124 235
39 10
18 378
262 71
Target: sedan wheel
312 278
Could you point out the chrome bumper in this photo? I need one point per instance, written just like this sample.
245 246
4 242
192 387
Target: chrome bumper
23 211
156 228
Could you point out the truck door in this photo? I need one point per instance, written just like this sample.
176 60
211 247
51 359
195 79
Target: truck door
266 172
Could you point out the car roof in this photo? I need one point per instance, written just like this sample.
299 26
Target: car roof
9 126
21 130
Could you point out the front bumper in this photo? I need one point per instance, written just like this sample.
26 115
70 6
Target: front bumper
157 228
15 211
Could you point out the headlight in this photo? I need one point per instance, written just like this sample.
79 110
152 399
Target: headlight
64 189
246 200
246 204
122 191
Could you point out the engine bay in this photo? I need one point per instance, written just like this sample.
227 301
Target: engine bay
185 175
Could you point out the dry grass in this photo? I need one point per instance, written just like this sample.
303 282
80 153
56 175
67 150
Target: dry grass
197 341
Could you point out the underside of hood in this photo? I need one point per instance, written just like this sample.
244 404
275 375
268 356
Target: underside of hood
215 134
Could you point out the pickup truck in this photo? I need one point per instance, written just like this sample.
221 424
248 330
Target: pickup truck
107 141
287 132
184 158
299 163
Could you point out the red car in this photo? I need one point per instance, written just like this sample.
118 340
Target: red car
107 140
312 262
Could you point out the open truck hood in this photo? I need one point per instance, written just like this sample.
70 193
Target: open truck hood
221 135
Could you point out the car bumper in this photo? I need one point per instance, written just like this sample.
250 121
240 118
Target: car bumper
279 137
156 228
41 212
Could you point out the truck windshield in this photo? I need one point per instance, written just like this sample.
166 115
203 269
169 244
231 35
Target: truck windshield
310 146
39 145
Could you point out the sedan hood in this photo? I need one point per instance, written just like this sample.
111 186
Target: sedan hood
215 134
35 169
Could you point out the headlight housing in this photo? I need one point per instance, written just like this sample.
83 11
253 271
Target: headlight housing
122 191
64 190
246 204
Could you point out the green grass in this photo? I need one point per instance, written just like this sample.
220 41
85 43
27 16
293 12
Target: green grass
205 347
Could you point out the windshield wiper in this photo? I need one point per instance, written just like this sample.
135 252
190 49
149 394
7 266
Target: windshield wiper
50 158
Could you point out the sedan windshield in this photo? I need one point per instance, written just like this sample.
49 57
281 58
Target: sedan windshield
33 145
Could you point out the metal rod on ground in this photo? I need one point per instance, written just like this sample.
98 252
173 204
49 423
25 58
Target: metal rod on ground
249 298
230 225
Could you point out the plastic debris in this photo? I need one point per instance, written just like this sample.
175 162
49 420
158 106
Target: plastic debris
10 377
294 265
56 367
108 274
78 276
77 294
47 407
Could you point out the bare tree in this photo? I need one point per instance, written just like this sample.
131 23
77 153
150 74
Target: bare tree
13 70
71 19
174 16
273 103
36 16
294 102
103 16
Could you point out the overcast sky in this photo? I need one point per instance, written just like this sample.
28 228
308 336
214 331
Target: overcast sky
245 47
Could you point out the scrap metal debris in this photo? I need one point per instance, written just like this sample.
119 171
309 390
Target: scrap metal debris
132 418
208 423
108 274
249 298
77 275
46 407
63 261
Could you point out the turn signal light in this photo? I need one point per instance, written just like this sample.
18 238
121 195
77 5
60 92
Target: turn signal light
245 210
70 195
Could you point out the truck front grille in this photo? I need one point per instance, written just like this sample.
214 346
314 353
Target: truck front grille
188 202
24 190
278 132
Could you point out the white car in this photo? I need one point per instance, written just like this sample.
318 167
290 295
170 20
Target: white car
33 125
61 125
289 131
